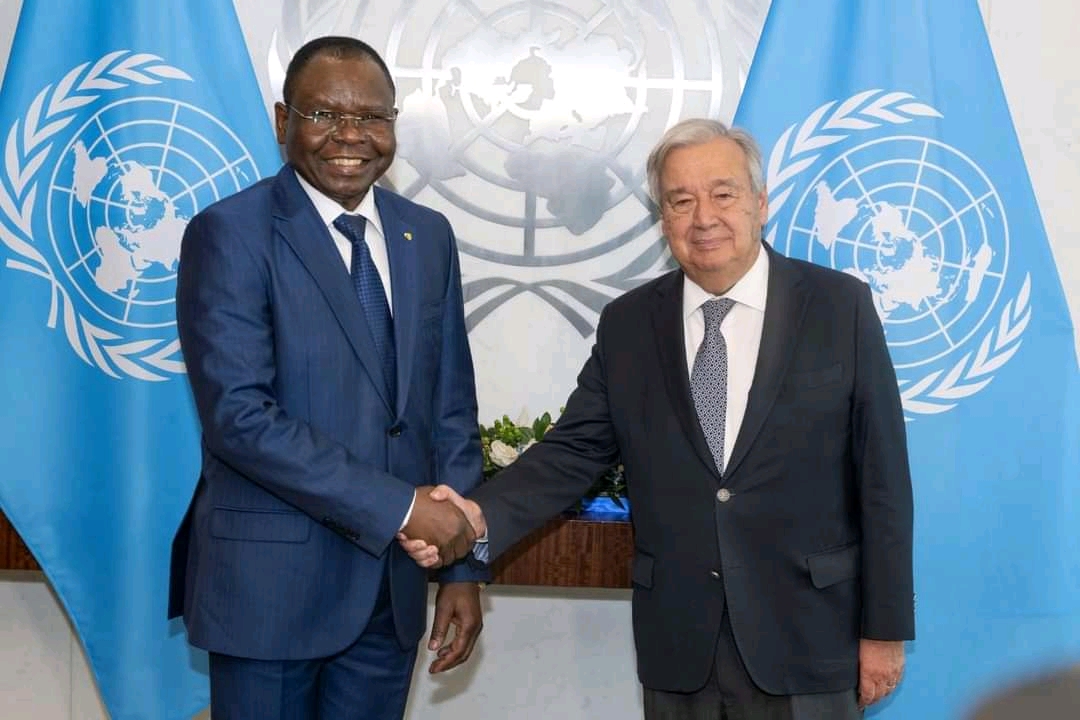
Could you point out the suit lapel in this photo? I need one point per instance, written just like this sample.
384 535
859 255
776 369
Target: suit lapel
667 323
303 230
402 249
785 307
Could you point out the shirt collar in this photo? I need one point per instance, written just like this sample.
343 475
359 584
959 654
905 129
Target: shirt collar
329 209
750 290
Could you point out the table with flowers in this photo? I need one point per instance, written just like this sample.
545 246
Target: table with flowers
590 545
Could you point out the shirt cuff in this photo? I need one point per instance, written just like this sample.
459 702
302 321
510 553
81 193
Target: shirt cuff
480 550
408 514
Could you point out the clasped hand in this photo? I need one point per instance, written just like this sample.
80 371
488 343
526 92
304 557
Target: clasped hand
443 527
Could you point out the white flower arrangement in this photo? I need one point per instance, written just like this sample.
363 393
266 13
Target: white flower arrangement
505 440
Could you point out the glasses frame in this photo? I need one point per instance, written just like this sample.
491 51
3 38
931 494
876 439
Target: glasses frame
328 121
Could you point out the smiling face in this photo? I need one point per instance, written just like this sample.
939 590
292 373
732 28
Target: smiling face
709 213
342 163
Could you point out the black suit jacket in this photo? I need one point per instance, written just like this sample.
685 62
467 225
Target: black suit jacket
807 537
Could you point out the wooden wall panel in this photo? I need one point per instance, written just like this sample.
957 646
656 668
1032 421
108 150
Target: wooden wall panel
13 553
570 553
563 553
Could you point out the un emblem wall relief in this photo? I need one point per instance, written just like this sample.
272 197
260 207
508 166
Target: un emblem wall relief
101 174
528 124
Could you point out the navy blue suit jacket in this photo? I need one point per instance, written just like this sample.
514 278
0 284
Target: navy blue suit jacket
805 540
308 464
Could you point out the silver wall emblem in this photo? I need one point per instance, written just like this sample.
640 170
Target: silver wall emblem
528 124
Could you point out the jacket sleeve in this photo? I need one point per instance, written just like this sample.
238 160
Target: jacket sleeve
879 451
457 435
556 472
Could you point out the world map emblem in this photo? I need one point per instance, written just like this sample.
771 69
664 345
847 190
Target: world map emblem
528 123
100 184
919 222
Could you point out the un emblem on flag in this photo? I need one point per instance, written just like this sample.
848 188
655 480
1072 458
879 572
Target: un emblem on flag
100 206
918 221
533 120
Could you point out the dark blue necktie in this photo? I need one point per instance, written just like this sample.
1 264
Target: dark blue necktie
372 294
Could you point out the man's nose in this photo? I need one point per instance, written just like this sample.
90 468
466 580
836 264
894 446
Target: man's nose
705 213
348 131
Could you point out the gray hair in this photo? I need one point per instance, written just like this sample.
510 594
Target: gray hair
698 131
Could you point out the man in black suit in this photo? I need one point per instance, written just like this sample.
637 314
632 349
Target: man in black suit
752 402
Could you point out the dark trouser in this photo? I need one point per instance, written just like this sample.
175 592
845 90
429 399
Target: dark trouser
730 694
369 680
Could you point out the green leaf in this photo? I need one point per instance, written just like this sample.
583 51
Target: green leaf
540 426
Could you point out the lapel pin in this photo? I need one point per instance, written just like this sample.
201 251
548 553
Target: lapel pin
408 236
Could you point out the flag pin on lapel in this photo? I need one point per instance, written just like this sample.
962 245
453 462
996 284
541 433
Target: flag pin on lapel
408 236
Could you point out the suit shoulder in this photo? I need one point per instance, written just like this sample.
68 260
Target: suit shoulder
632 301
410 209
253 201
827 278
241 220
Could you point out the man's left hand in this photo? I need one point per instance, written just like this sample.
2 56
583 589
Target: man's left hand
456 604
881 664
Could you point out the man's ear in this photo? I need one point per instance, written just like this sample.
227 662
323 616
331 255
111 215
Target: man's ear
281 119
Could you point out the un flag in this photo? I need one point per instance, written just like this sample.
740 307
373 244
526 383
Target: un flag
120 120
890 155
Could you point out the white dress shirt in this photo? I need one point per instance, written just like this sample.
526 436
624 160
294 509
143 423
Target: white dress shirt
741 329
373 232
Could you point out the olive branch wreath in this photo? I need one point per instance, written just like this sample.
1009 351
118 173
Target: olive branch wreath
28 145
799 148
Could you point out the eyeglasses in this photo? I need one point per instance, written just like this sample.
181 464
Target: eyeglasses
327 120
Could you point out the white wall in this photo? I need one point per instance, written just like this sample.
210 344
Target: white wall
568 654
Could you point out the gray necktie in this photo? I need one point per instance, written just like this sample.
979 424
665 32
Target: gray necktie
708 380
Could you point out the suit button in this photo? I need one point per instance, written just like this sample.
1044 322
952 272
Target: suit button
723 494
715 574
394 431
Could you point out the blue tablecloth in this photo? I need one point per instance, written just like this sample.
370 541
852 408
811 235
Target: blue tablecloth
604 508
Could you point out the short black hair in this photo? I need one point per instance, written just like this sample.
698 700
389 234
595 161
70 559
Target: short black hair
335 46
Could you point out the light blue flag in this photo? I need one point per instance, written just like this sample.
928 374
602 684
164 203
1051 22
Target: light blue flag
890 155
120 120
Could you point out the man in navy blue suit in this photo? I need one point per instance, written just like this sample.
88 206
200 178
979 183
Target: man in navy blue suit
322 325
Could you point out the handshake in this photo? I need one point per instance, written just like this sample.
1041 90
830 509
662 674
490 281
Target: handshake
442 528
